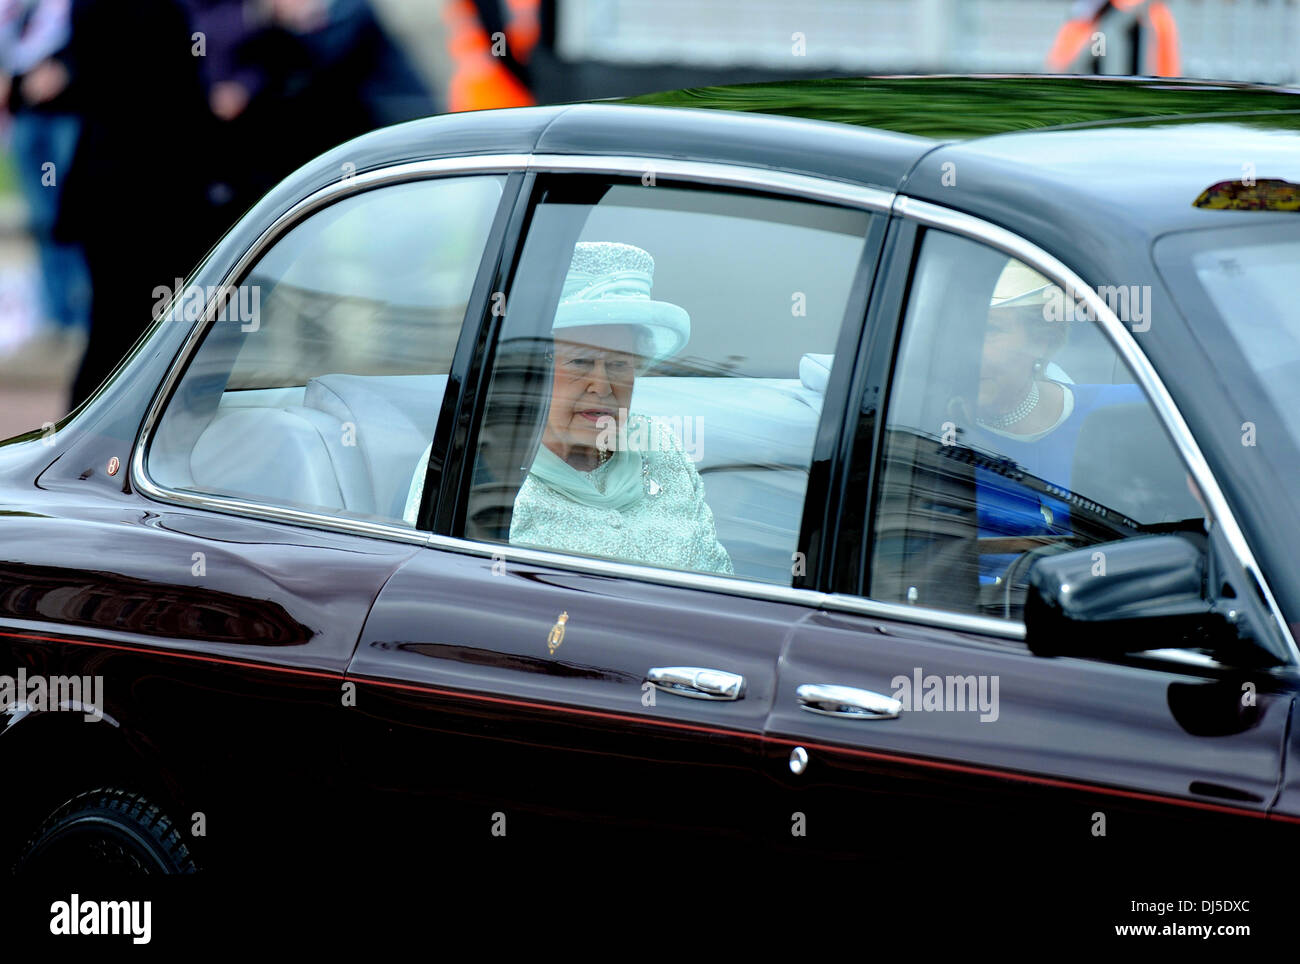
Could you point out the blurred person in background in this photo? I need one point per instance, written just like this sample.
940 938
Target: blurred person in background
232 81
135 196
36 88
175 145
346 37
341 73
295 78
490 44
1146 32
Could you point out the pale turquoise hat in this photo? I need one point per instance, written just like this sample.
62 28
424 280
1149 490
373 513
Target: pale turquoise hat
608 283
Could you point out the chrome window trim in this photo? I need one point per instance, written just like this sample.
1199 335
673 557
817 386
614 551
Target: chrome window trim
231 505
599 566
933 215
804 186
941 618
1186 657
732 586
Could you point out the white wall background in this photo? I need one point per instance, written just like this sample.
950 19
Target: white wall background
1256 40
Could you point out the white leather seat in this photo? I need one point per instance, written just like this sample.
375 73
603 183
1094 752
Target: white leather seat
394 416
355 442
350 445
267 454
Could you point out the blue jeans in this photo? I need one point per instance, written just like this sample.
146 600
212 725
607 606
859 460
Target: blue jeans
38 140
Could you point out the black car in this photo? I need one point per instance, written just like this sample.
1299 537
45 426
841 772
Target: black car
969 512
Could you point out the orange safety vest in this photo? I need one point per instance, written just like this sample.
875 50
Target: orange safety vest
479 80
1071 51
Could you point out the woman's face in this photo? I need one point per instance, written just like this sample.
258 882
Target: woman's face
591 388
1012 343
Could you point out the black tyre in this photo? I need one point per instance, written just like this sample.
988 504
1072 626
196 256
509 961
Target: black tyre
107 831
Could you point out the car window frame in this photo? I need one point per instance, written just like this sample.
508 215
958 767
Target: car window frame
821 497
912 218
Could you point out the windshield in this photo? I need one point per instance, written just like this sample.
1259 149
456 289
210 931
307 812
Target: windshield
1250 276
1256 290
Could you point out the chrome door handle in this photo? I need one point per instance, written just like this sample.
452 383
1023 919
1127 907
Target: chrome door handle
698 683
847 701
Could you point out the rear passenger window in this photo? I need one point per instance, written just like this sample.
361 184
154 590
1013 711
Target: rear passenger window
1013 431
320 383
659 376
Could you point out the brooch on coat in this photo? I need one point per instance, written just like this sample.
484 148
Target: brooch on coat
651 486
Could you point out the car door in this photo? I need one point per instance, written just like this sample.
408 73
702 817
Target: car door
557 691
222 599
909 711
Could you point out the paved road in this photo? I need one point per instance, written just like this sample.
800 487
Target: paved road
28 407
34 377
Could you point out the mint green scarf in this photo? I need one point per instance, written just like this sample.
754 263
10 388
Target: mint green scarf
623 484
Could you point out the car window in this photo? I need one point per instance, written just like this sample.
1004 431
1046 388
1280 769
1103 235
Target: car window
1245 279
321 381
657 383
1013 430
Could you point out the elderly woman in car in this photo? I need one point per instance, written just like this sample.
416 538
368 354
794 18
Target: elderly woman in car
606 481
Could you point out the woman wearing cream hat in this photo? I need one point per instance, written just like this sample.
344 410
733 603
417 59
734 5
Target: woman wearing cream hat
1026 415
605 481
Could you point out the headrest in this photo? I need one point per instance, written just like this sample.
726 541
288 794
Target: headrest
815 371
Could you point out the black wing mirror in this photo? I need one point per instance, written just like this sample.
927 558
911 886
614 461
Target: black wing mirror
1129 596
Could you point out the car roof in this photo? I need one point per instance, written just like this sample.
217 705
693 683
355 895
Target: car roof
1137 150
859 155
1133 153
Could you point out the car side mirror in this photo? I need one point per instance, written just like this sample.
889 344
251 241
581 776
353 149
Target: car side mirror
1129 596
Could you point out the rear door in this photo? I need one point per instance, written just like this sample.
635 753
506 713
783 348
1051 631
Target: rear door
946 733
548 691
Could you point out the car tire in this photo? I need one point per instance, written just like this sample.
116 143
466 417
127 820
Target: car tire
110 831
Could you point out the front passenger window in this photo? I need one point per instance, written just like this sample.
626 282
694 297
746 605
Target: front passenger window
1009 435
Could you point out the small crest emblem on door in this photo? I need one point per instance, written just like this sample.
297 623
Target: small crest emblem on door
556 635
113 465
